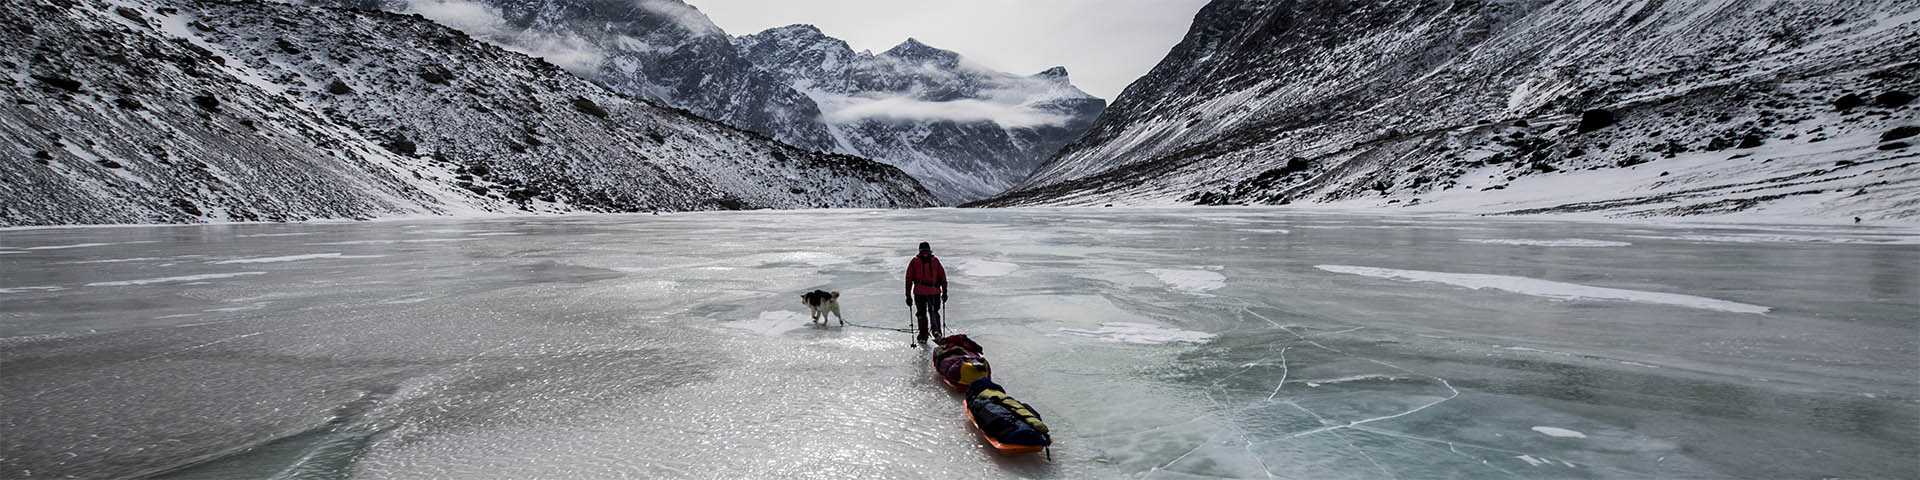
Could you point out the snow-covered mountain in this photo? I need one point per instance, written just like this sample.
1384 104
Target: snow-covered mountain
191 111
964 131
1629 109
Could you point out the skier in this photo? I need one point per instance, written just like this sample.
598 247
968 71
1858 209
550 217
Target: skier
926 289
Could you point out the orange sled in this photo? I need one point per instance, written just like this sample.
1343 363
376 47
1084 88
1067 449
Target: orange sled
1003 448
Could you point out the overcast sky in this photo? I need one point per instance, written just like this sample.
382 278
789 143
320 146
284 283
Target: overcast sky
1105 44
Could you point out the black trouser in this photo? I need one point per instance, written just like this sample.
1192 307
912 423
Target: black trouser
925 308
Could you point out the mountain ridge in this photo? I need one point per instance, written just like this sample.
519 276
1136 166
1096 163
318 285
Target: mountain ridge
1409 103
195 111
666 51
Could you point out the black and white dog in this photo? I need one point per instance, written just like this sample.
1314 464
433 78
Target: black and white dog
823 302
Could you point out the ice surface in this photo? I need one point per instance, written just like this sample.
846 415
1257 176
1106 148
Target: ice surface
986 268
772 323
1546 288
1194 281
675 346
1139 333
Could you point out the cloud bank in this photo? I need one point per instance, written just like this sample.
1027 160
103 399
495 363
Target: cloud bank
484 22
907 109
1009 100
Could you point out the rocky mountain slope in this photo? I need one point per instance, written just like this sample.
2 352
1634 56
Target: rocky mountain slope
1626 109
191 111
965 131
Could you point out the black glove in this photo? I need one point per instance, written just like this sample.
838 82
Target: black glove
943 297
909 301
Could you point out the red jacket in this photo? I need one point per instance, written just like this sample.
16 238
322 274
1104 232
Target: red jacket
925 274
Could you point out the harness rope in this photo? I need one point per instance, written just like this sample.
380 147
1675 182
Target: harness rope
902 330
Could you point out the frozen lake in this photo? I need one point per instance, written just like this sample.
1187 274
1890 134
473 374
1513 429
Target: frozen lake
1171 343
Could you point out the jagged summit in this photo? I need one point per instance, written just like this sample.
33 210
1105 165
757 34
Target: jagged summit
798 29
914 51
1055 73
799 36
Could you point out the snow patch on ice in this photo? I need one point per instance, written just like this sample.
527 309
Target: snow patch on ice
1534 350
1350 378
291 258
818 259
451 230
1533 461
406 300
1569 242
985 268
1559 432
1785 238
1140 333
254 306
1192 281
113 260
49 288
1547 288
386 242
186 278
82 245
290 234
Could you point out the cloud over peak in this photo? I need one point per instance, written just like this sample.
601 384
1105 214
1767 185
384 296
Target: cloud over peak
855 109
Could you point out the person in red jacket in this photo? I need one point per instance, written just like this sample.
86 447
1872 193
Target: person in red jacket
926 290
